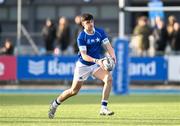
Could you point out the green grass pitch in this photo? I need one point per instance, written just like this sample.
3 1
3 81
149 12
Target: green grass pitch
83 110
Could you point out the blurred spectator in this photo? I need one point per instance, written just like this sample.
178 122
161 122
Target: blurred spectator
63 36
78 29
170 30
0 32
8 48
142 32
171 20
49 35
176 37
160 36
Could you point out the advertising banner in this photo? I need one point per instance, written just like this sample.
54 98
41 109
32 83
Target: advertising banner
148 68
7 68
46 67
174 68
120 73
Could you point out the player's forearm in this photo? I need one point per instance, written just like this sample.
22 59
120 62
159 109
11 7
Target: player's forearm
88 58
111 53
110 50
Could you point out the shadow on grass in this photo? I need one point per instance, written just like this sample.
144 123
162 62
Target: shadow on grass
85 120
90 118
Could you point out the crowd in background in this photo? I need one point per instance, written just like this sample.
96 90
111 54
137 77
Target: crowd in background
58 37
160 39
147 40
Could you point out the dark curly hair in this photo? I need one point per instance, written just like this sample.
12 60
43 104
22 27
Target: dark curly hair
86 17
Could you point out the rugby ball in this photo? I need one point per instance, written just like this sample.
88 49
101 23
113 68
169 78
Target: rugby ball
108 63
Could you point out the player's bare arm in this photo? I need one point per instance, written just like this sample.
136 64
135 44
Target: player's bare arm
110 50
91 59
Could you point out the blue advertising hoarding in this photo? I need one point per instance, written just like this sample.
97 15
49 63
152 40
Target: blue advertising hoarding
62 68
120 73
148 69
46 67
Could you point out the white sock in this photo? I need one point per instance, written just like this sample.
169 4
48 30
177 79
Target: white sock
104 104
56 103
103 107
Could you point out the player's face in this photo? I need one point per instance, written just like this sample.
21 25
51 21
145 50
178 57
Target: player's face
88 25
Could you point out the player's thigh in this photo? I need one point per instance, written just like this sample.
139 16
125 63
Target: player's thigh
102 74
76 85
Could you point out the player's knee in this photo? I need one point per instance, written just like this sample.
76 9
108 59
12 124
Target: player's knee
74 92
108 79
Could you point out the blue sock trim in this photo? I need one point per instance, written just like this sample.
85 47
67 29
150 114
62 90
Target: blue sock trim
104 103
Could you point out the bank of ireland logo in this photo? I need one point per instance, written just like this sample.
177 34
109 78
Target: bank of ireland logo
36 67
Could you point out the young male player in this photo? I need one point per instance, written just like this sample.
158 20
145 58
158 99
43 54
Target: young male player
89 63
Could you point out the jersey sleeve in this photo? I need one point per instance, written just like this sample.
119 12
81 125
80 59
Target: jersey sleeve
81 42
104 39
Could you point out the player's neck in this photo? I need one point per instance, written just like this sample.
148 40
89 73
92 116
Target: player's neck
90 32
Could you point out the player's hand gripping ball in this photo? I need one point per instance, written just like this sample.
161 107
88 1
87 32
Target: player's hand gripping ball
108 63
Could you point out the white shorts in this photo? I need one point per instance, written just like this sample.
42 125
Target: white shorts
82 71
